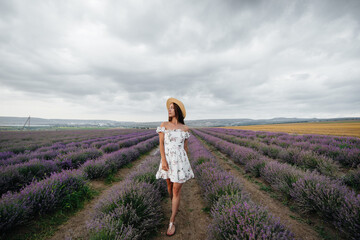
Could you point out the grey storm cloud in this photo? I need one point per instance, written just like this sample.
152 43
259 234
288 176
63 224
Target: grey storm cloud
121 60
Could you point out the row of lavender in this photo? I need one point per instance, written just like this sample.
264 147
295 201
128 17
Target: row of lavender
54 151
305 159
234 215
64 189
309 191
336 141
21 141
14 177
295 156
344 150
133 209
51 151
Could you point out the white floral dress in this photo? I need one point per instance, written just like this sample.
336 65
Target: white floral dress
179 166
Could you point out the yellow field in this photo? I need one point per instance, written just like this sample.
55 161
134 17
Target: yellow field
337 128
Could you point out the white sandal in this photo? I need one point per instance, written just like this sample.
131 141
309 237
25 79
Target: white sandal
170 225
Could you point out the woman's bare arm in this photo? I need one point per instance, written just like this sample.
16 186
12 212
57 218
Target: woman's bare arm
186 143
161 142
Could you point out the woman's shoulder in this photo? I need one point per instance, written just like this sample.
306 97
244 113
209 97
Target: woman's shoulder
184 128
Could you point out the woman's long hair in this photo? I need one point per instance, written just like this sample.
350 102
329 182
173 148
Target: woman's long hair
178 114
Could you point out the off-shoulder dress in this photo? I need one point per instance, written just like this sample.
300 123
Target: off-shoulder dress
179 166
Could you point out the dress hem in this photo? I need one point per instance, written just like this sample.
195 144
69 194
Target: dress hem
161 177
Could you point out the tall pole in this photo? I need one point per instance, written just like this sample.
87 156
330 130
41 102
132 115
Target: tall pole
28 119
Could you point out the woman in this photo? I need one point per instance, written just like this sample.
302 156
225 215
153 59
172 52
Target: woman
175 166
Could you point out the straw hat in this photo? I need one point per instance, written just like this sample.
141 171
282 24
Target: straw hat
178 102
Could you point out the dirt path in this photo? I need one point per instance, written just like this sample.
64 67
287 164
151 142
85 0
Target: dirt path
190 222
75 227
301 230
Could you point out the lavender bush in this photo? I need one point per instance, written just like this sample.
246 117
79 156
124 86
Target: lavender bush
75 159
319 194
352 178
255 166
348 214
132 210
331 199
61 190
234 218
110 226
215 182
110 147
14 177
281 176
6 155
96 169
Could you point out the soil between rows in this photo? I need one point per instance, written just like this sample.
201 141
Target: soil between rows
191 221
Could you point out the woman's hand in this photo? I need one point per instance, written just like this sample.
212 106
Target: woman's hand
164 165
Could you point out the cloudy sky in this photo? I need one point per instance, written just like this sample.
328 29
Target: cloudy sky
121 60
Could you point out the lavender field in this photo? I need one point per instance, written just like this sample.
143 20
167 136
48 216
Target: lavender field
45 172
253 185
318 176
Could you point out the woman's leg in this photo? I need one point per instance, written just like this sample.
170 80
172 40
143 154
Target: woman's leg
175 200
170 187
